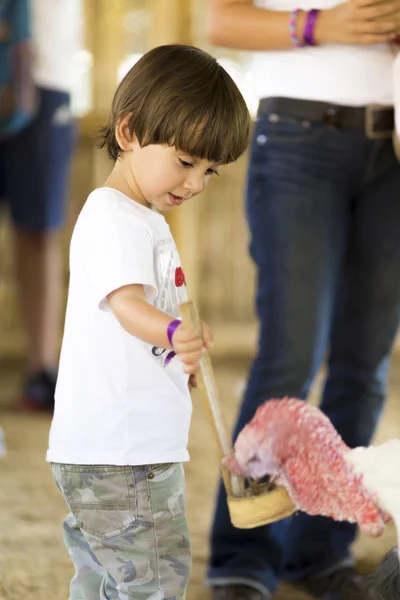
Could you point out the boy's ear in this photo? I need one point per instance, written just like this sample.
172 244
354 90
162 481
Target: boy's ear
123 136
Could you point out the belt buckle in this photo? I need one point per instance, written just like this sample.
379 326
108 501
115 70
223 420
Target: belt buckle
370 132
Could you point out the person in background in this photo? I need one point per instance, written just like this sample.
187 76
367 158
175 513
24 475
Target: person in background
34 171
324 215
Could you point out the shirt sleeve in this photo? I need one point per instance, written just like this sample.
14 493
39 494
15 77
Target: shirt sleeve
115 248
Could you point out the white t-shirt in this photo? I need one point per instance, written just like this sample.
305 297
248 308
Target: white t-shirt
115 402
337 73
57 31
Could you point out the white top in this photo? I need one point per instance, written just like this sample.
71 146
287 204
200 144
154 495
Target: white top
57 31
349 75
115 402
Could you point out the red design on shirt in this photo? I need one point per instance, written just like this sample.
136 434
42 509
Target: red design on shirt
179 277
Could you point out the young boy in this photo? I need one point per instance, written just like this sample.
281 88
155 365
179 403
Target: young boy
122 403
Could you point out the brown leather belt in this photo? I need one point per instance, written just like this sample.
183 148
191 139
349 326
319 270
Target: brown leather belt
376 120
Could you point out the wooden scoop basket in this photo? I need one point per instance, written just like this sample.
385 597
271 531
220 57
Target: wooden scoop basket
250 504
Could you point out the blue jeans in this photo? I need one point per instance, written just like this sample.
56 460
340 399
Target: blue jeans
35 165
324 214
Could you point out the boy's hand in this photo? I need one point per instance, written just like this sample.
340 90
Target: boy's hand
190 347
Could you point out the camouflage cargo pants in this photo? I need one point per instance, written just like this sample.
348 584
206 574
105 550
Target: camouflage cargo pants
127 533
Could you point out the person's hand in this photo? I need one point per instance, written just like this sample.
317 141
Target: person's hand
359 22
190 347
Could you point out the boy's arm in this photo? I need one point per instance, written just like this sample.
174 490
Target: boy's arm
144 321
138 317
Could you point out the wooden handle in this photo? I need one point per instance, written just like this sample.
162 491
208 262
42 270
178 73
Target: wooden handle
208 390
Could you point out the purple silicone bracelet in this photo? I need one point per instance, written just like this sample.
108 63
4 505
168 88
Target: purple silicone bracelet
171 354
308 34
172 327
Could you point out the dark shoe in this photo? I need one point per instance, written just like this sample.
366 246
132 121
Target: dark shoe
343 584
235 592
39 391
384 582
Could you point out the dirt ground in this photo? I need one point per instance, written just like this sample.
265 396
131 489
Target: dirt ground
33 561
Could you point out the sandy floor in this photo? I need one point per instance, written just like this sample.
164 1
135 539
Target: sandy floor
33 562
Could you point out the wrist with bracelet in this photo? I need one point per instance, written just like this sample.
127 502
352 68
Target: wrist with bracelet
172 327
308 36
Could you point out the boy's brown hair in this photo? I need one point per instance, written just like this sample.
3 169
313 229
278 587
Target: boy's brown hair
179 95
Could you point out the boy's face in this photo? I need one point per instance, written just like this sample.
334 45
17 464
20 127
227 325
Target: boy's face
164 177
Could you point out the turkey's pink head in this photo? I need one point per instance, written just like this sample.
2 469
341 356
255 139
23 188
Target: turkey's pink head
253 455
298 447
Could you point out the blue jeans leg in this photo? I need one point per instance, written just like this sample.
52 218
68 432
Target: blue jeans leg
303 191
299 223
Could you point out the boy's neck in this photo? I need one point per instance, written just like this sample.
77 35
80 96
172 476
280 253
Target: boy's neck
126 184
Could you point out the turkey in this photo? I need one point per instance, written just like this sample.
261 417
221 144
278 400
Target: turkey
297 446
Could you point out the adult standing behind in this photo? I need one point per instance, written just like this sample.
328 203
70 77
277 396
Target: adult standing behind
34 171
323 206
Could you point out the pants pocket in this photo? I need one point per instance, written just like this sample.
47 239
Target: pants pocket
103 499
154 471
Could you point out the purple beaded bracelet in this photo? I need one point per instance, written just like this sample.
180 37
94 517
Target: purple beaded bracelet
172 327
311 19
292 28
